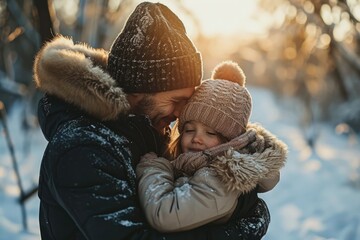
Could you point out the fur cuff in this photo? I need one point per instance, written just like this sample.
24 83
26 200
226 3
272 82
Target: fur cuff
242 171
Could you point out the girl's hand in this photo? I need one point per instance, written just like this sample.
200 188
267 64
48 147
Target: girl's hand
148 156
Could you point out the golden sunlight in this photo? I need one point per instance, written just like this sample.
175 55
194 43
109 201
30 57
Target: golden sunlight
225 17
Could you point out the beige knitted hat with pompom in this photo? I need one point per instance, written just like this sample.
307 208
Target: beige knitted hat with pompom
222 102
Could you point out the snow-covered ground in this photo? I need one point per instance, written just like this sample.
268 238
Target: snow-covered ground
316 198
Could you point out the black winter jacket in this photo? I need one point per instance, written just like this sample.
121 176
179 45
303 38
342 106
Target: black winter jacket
87 185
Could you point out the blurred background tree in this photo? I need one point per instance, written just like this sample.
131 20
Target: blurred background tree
309 53
313 55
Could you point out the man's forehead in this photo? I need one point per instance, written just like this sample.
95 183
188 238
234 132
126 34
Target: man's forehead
183 94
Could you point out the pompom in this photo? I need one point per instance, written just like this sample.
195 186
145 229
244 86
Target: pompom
230 71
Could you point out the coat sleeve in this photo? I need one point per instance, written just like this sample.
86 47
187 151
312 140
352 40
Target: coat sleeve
97 191
267 184
172 206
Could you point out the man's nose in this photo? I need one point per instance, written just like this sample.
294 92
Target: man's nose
176 112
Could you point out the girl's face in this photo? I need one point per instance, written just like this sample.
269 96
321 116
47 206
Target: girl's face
198 137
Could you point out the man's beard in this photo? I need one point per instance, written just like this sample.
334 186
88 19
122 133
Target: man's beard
145 107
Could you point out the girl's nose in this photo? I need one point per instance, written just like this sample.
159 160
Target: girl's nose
197 138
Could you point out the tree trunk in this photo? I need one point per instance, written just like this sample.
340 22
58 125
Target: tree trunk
46 28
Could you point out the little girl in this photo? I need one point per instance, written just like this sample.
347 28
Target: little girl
212 164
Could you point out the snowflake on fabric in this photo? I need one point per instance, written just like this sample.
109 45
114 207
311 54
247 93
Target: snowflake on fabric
144 23
138 39
46 105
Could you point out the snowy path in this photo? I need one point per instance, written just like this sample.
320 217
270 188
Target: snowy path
314 199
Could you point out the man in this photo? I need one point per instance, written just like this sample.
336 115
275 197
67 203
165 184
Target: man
101 113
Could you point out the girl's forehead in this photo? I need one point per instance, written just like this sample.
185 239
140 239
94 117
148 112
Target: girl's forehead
196 123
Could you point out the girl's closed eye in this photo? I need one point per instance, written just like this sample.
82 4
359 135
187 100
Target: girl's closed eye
189 130
212 133
189 127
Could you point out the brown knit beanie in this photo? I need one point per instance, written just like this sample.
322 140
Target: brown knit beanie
153 52
222 102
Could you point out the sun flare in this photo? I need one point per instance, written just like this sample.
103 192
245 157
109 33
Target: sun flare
225 17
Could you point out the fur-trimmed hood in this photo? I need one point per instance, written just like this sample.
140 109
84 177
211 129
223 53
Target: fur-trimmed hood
76 73
243 170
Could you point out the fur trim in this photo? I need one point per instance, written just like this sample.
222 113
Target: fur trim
75 73
242 171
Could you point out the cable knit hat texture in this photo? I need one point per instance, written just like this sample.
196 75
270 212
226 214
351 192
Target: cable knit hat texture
222 102
153 52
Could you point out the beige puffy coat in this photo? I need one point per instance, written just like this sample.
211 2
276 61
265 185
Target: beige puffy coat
211 193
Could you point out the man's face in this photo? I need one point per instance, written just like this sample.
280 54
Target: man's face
163 107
